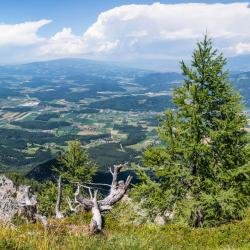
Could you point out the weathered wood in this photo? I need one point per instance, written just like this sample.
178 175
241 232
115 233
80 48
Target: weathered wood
117 190
59 214
96 221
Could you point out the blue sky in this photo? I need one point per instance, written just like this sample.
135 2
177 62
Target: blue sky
146 31
78 14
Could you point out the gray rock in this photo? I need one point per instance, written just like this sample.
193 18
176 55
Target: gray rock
16 201
159 220
169 215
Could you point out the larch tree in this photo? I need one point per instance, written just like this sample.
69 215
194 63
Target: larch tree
199 175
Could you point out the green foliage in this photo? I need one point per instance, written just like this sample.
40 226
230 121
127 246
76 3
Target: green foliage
201 172
108 154
75 166
139 103
47 199
44 125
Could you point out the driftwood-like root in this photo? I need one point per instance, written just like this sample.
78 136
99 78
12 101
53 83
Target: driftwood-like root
117 191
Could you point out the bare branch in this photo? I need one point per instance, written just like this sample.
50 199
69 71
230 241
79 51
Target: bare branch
129 178
77 193
117 170
59 214
96 184
110 170
73 209
117 191
70 204
90 193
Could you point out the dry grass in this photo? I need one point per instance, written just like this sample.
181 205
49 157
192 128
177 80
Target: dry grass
72 233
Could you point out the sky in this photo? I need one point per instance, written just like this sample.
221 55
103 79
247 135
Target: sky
145 34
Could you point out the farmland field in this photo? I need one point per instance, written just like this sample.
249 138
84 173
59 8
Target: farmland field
112 110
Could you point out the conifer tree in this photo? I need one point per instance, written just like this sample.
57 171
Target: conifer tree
74 166
200 173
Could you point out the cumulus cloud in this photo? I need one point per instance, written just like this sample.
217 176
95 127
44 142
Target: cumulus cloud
66 43
142 31
61 44
171 21
21 34
148 28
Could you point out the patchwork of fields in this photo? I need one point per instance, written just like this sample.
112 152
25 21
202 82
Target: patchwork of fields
113 111
41 111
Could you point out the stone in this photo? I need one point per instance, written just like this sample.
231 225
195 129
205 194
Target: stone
16 201
159 220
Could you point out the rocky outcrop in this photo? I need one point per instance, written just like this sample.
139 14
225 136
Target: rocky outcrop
16 201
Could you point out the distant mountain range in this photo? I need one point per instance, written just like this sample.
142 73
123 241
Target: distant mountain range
239 63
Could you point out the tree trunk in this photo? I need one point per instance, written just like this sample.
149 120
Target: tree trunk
96 221
59 214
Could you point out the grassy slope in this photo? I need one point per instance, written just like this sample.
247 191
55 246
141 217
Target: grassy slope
72 233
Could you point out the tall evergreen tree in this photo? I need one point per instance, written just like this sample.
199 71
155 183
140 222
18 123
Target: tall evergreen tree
200 174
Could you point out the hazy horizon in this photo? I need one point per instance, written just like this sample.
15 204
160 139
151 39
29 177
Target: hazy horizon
140 34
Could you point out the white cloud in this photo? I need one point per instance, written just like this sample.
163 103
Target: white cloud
66 43
242 48
21 34
61 44
154 26
142 31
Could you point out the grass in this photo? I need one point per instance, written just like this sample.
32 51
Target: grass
72 233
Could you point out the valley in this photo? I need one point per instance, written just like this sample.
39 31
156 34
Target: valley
113 111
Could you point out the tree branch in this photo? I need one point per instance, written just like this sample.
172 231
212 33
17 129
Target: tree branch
59 214
117 191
